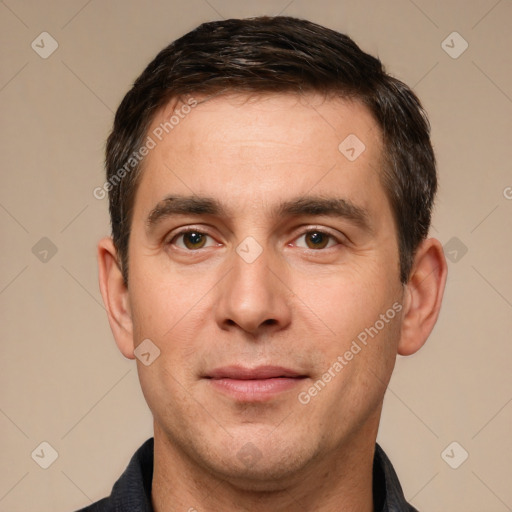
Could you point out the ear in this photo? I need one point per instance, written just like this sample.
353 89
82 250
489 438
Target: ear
423 296
115 297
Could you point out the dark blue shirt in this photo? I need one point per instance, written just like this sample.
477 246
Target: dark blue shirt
132 492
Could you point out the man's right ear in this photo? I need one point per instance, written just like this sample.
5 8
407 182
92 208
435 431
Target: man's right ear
115 296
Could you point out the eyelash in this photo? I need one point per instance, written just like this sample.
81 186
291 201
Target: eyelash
184 232
331 238
304 233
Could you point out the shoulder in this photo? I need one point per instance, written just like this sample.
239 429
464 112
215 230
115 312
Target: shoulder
132 492
387 489
103 505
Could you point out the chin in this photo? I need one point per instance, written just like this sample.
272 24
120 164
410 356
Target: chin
263 464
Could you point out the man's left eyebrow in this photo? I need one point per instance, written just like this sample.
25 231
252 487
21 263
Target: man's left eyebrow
333 207
182 205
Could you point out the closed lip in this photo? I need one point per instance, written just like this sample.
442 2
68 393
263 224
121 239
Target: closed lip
237 372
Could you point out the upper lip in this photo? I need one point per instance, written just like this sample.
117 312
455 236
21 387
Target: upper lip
259 372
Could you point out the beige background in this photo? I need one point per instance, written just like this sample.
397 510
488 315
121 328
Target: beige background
62 379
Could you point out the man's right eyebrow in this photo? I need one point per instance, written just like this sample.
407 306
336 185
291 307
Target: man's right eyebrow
182 205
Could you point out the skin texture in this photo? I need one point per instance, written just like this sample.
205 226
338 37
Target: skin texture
294 306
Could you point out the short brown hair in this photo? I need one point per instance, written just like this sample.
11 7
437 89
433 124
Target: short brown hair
279 54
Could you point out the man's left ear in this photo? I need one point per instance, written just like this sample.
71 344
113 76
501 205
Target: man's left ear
423 296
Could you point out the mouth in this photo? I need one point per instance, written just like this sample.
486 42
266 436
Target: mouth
258 384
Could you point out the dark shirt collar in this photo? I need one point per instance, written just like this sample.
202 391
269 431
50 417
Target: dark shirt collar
132 492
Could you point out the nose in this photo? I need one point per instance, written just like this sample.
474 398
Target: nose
253 298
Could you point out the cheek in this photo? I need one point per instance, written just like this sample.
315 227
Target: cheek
165 301
346 301
169 395
173 312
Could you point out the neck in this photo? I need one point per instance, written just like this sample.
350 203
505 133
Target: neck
341 480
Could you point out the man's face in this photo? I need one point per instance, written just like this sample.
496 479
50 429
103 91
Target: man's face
278 252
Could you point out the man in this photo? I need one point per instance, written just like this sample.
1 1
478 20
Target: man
270 194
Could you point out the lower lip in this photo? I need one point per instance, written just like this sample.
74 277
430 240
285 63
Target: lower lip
255 390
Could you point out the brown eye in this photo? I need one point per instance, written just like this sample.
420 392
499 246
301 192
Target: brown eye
192 240
317 239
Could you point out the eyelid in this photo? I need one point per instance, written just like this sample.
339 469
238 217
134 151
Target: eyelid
169 240
339 237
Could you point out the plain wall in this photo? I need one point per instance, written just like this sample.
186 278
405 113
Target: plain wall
62 378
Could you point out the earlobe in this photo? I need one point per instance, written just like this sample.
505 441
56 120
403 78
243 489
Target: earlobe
115 297
423 296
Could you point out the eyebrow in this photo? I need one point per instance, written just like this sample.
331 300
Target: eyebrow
300 206
183 205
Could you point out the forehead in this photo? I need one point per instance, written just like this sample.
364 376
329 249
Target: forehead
263 147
